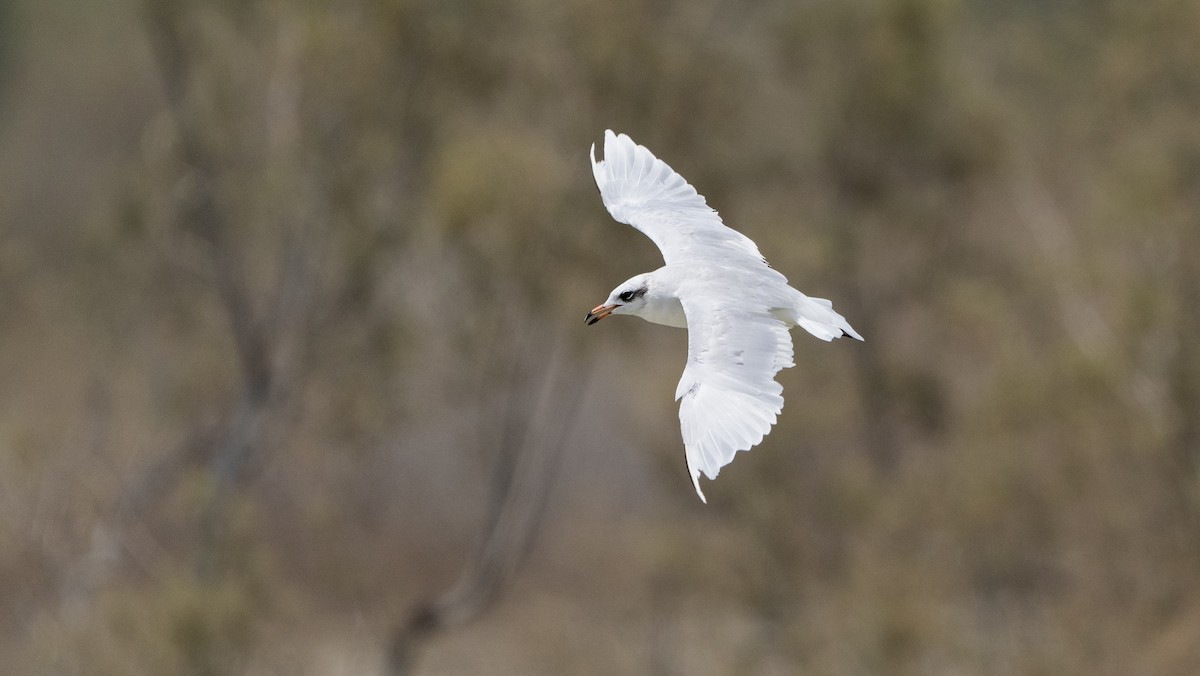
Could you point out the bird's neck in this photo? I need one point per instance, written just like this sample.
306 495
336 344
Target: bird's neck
666 310
662 304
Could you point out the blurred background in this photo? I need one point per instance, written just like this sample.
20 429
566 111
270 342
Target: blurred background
294 377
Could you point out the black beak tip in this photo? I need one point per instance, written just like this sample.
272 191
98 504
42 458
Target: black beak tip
591 319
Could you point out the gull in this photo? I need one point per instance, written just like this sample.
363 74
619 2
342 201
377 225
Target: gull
715 283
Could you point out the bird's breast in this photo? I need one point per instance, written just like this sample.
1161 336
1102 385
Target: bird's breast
665 310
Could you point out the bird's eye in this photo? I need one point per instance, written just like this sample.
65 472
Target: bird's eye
626 296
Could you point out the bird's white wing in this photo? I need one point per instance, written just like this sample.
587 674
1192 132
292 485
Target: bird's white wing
641 190
728 397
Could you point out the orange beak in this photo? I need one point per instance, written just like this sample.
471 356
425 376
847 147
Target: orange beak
599 312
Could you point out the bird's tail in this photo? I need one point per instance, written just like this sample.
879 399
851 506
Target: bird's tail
817 316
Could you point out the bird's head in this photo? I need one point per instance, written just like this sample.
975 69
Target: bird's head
626 299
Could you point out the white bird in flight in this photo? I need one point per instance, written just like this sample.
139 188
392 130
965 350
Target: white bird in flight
716 284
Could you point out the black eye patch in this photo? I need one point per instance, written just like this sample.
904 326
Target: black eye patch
627 296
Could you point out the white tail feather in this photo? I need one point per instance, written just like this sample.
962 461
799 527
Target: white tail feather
817 316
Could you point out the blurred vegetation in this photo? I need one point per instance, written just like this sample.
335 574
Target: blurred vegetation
291 299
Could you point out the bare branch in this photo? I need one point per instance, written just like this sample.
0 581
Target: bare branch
522 478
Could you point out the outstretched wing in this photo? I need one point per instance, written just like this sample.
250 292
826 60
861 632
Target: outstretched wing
641 190
728 397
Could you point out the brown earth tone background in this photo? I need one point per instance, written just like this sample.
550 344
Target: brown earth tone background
294 378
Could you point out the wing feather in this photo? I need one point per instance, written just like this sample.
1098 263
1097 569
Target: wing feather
643 191
728 396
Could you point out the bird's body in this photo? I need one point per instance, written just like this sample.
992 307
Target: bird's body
715 283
